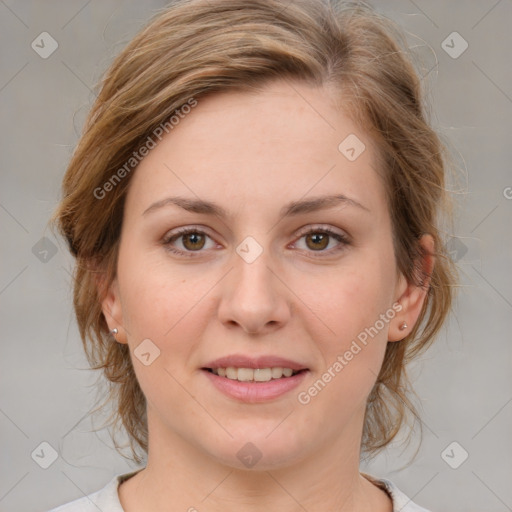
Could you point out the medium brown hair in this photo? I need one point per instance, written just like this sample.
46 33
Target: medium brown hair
194 48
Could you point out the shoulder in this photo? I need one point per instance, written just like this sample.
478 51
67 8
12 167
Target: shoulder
400 501
106 499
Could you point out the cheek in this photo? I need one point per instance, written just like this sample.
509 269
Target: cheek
351 298
356 307
165 308
164 305
351 357
154 298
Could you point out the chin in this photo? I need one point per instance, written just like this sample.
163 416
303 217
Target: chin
259 451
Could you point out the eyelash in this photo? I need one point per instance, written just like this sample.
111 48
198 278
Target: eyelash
185 231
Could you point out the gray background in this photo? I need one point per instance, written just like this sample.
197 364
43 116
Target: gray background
464 381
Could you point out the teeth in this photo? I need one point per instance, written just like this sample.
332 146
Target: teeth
262 374
277 373
253 375
232 373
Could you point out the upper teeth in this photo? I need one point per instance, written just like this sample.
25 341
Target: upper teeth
251 374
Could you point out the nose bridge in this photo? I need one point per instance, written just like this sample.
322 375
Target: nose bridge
253 296
253 272
254 285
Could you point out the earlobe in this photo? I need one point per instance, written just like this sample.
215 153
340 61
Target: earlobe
111 307
411 295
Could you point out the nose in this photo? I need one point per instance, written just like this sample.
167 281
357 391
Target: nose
254 297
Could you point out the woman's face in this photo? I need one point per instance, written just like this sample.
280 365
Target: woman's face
251 284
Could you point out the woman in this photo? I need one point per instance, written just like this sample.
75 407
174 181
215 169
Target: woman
254 210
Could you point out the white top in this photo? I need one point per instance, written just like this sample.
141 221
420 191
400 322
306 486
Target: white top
107 499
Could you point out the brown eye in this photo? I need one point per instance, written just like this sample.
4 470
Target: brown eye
322 241
317 240
193 241
188 242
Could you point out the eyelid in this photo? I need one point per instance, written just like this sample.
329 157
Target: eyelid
302 231
320 227
186 229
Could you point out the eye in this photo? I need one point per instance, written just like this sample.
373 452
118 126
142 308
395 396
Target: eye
317 239
193 240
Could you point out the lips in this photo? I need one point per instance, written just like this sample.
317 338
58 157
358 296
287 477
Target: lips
253 387
255 392
266 361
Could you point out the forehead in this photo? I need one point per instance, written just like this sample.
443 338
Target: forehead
269 147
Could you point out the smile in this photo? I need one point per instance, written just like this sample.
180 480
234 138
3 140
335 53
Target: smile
253 374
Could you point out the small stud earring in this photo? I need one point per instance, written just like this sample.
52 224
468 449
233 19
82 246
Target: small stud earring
114 331
403 326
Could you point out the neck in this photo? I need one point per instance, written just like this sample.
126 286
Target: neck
179 476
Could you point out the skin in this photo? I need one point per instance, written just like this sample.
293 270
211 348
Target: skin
251 154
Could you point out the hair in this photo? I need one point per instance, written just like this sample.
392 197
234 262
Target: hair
194 48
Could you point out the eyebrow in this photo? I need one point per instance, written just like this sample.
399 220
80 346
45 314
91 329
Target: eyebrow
293 208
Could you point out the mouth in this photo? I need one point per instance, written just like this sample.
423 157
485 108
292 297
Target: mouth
254 374
254 379
254 385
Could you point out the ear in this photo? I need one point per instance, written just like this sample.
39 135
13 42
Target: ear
111 306
410 296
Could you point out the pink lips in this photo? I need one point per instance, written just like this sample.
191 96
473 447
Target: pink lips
255 392
241 361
